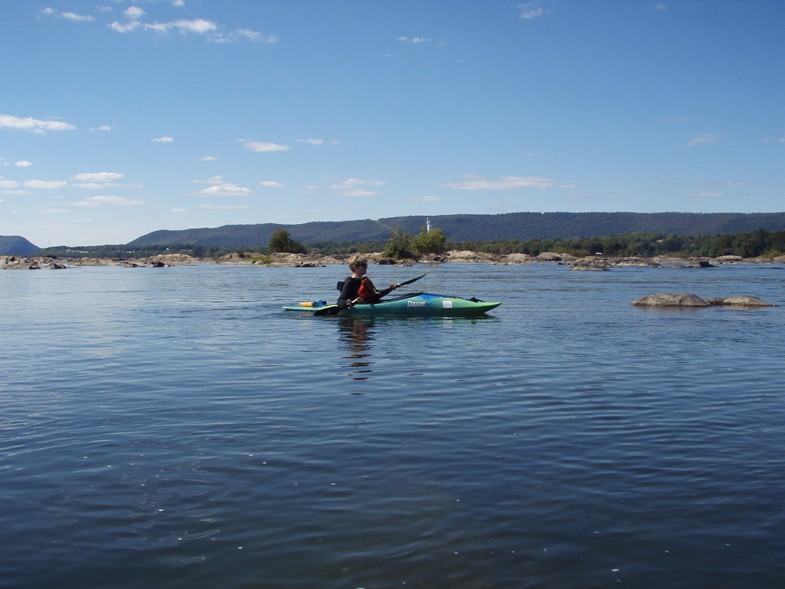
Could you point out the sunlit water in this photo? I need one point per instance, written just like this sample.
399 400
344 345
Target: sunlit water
174 428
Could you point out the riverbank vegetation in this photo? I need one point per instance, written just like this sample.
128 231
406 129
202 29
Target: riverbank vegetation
402 245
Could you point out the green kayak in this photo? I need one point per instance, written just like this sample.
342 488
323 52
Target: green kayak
420 304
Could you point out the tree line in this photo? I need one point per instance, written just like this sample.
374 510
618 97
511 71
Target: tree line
403 245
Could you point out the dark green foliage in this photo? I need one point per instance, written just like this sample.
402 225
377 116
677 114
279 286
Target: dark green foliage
281 242
399 247
746 245
430 242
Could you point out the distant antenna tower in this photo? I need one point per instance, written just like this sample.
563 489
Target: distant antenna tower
427 225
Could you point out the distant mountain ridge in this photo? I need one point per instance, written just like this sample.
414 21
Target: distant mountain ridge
474 228
15 245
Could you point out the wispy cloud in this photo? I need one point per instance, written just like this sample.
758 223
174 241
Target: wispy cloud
357 187
503 183
72 16
134 20
99 176
532 10
32 124
223 207
219 187
164 139
311 141
97 180
414 40
46 184
270 184
23 164
703 139
264 146
99 200
427 198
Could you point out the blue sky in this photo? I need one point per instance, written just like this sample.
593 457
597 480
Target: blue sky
118 118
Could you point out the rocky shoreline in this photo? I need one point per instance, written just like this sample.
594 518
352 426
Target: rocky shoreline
589 263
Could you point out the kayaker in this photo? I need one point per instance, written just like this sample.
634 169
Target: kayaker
358 288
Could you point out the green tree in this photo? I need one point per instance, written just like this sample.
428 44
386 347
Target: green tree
430 242
281 242
399 247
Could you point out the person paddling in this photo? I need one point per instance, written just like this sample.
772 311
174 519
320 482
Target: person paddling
358 288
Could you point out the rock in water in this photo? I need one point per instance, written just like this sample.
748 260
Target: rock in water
671 300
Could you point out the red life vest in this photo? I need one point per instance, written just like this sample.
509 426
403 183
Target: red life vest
367 292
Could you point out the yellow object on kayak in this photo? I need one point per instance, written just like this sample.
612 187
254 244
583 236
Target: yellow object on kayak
313 303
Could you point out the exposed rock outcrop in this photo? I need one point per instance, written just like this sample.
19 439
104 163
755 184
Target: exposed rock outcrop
740 301
694 301
671 300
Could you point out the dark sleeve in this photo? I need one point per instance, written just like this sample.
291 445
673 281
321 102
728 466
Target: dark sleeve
349 291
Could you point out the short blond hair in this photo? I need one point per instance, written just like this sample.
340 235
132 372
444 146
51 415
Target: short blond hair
356 261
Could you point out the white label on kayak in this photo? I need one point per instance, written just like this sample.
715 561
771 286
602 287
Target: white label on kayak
447 304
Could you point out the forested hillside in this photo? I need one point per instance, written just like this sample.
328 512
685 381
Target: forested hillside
14 245
475 228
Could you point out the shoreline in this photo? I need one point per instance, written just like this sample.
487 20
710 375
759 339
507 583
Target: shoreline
588 263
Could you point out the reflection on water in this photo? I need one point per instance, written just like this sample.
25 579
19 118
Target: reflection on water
358 333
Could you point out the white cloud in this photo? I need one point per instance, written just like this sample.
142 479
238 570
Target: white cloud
178 211
97 201
270 184
34 125
414 40
311 141
703 139
45 184
134 12
219 187
163 139
426 198
211 30
99 176
356 187
8 183
263 146
532 10
207 158
103 128
199 26
74 17
23 164
223 207
503 183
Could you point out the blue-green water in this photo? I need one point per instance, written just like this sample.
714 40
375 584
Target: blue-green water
174 428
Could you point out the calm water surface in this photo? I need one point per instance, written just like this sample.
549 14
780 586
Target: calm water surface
174 428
